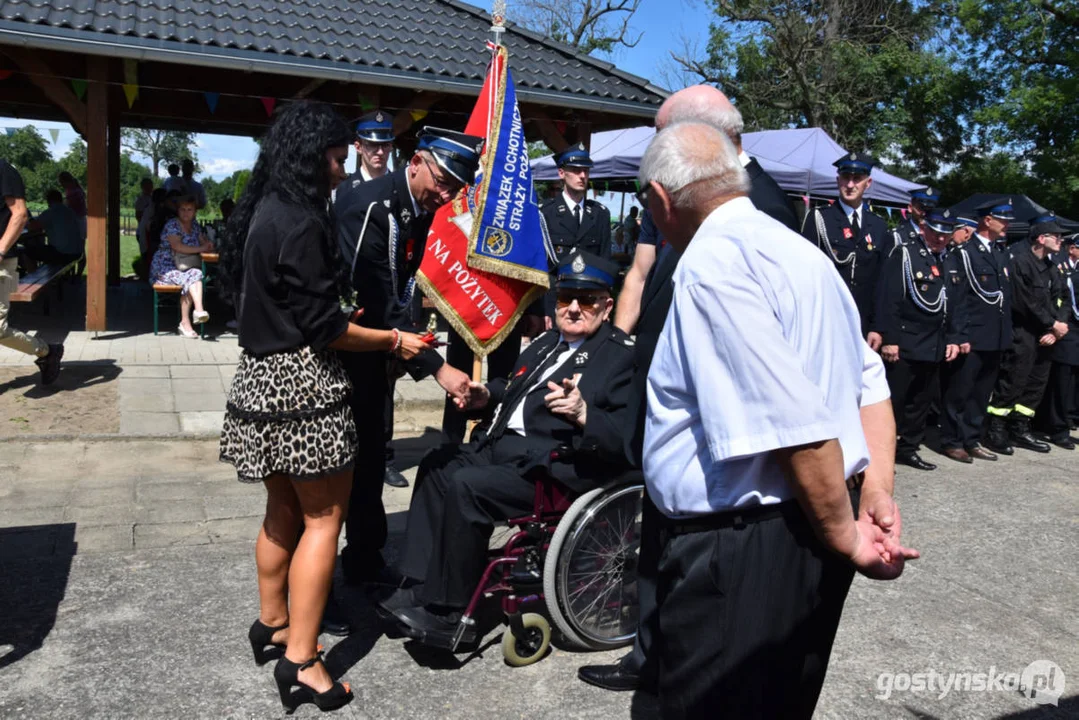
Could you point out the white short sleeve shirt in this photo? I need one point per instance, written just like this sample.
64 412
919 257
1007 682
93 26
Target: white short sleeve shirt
762 350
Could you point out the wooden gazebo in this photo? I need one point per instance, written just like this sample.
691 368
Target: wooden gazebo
221 66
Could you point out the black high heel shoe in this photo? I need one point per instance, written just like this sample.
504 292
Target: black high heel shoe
286 673
261 636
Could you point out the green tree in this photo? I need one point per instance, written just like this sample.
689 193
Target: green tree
161 146
869 72
27 150
131 175
240 178
1027 55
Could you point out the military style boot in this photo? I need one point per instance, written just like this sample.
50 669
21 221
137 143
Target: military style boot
996 437
1021 437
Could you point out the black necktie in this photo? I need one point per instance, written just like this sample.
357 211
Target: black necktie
854 226
577 215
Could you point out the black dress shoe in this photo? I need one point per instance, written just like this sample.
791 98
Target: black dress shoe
399 599
436 629
334 621
1027 441
394 478
610 677
957 454
981 453
912 460
1064 442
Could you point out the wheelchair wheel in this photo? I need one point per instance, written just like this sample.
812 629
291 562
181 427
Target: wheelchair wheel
590 572
521 651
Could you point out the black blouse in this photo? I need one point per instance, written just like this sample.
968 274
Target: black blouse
289 297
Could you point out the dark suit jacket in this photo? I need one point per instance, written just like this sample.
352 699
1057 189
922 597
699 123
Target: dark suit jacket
869 249
990 326
382 240
768 197
605 379
594 234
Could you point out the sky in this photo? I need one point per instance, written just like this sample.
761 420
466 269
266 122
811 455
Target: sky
663 23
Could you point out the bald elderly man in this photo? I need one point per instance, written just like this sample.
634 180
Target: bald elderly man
703 104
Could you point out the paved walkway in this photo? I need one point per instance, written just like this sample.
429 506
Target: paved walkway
129 582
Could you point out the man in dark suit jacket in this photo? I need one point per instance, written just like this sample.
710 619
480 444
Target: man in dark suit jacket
541 407
382 230
854 238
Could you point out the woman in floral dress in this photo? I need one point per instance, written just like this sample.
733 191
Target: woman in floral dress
183 238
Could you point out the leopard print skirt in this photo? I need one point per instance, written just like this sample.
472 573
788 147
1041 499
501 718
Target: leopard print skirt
288 414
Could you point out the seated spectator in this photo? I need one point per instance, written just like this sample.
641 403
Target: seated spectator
178 261
65 241
146 222
461 490
75 198
143 203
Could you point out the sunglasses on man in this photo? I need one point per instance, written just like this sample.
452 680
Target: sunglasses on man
586 301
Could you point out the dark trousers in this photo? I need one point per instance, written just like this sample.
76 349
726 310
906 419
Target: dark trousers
747 616
968 382
1054 413
912 383
365 526
499 365
461 491
387 421
642 658
1024 371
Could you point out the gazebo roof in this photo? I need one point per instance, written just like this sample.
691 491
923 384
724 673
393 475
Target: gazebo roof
434 45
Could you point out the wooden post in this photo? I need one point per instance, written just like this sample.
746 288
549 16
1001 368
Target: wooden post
96 180
477 376
114 192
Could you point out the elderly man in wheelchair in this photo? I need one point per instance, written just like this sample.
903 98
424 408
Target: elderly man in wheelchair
541 449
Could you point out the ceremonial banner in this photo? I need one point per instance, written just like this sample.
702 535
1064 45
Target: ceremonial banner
486 257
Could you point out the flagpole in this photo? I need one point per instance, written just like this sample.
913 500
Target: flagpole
498 19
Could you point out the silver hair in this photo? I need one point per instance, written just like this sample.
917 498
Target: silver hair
675 161
702 108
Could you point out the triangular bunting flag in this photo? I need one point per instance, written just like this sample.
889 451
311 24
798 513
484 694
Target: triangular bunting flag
5 74
10 131
131 92
79 86
211 100
54 133
268 103
131 71
561 126
366 103
417 115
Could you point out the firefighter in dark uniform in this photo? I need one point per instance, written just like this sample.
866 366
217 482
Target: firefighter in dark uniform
382 230
374 145
983 262
1054 414
1038 322
542 406
573 221
922 201
853 237
920 329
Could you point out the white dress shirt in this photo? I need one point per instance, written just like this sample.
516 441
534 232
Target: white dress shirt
516 422
762 350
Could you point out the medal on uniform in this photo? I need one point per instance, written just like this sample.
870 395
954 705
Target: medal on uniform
933 269
919 275
869 241
409 248
520 372
925 288
848 233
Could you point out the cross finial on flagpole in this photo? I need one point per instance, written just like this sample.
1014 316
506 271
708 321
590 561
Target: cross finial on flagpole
498 20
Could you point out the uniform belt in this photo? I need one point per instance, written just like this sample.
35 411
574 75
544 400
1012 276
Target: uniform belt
738 518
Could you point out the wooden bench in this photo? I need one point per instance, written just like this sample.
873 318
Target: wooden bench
34 283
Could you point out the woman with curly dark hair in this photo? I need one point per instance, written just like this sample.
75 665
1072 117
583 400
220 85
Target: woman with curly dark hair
287 420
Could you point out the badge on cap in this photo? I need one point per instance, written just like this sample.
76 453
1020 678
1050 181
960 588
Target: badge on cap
578 264
580 146
378 117
854 156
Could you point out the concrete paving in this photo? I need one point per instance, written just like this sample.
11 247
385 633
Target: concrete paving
128 583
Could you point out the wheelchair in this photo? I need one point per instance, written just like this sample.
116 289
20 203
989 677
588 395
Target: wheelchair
573 562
